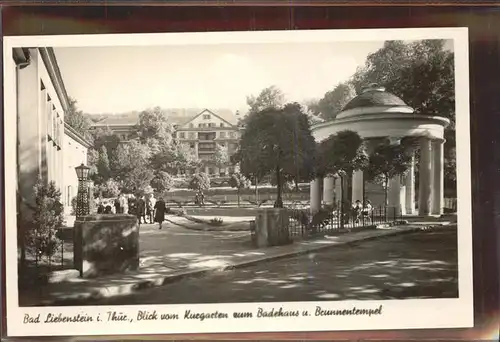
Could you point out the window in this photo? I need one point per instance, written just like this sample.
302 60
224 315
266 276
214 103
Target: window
191 125
206 117
200 125
191 135
232 134
68 202
222 135
182 135
222 124
211 170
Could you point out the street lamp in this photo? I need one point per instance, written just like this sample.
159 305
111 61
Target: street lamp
82 200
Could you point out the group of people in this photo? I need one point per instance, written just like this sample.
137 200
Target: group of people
146 208
361 211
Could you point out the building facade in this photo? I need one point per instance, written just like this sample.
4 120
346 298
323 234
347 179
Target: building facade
204 132
44 141
75 153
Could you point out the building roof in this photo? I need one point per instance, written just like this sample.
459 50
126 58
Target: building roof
174 117
374 96
71 132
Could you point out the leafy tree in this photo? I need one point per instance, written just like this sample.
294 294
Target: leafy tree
221 156
137 180
387 161
110 188
239 181
422 74
334 101
48 217
153 124
270 97
77 119
199 182
102 165
340 155
277 141
131 163
162 181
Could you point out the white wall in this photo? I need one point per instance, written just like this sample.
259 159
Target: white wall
74 155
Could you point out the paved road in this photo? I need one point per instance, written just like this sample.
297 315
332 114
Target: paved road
417 265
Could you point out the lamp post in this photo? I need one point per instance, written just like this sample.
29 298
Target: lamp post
82 200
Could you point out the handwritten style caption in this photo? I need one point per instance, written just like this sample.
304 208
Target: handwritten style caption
157 315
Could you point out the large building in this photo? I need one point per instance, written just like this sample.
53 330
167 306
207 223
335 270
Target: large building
45 145
200 130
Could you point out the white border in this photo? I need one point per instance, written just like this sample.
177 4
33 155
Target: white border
397 314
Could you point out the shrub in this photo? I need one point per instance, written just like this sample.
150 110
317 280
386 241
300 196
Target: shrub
216 221
73 205
48 218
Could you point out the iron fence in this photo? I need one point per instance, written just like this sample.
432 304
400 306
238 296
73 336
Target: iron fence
335 219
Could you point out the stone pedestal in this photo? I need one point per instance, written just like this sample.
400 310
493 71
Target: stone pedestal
271 227
106 244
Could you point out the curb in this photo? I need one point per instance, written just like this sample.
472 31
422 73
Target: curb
128 289
208 228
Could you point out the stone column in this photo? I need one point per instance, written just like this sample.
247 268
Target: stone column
396 196
438 177
357 186
410 187
315 195
425 178
328 190
338 190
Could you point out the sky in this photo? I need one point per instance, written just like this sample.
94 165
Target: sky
122 79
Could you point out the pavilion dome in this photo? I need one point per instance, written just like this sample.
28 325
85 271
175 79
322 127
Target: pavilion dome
374 99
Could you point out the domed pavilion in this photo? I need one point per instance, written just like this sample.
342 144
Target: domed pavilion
376 115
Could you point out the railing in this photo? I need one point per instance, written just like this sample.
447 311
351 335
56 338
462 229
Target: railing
303 224
38 262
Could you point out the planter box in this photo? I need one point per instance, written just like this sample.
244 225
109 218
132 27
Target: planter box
106 244
271 228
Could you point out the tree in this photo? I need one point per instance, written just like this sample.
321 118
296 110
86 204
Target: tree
221 156
48 217
153 124
102 165
132 167
270 97
239 181
77 120
422 74
388 161
334 101
199 183
109 189
340 155
162 181
277 141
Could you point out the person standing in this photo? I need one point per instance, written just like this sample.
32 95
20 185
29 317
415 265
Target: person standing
117 205
160 210
140 207
150 207
123 204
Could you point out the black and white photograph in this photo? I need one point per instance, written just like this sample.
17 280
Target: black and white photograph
238 182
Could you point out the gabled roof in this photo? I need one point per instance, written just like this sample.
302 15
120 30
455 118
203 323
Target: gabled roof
174 117
207 111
